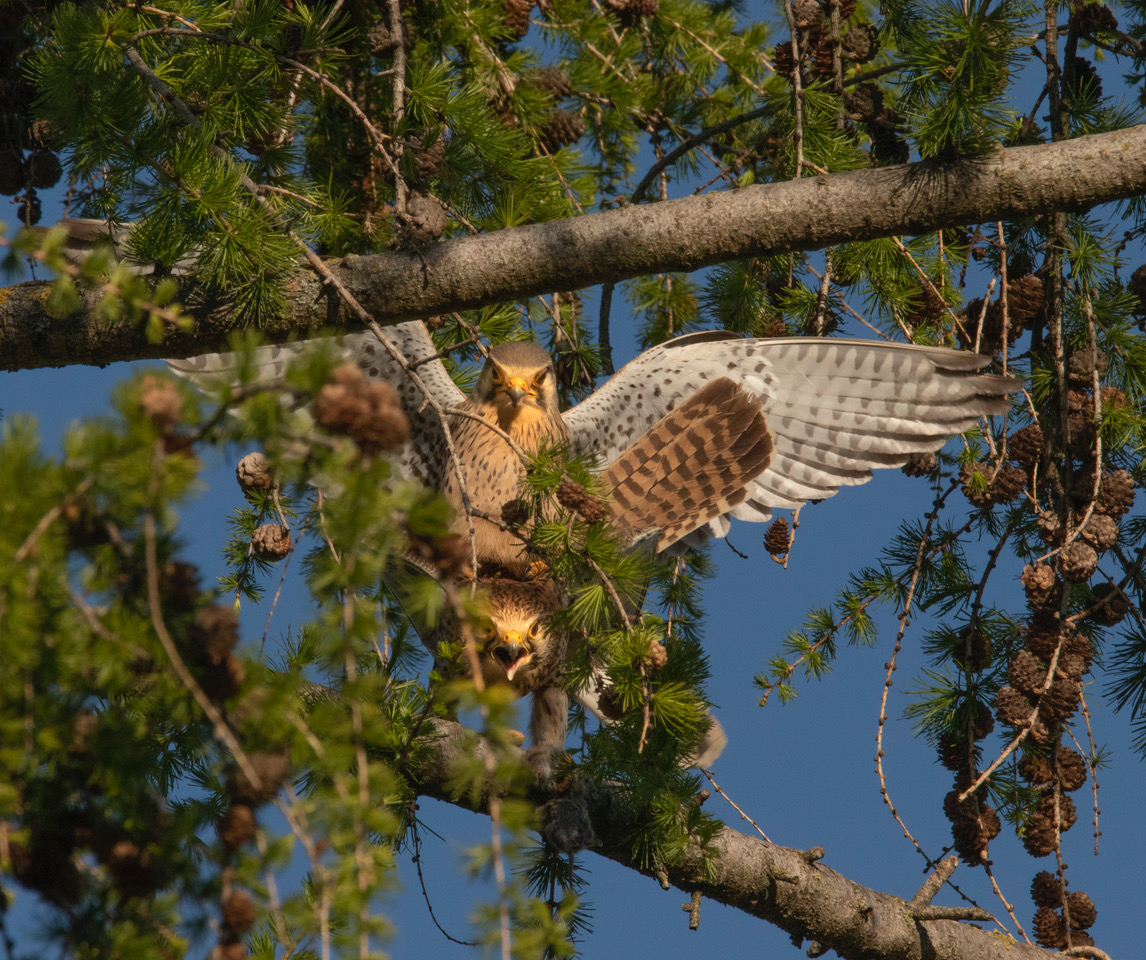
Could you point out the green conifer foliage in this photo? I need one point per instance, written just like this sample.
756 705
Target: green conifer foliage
142 740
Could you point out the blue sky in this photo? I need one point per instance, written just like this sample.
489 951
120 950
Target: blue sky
803 771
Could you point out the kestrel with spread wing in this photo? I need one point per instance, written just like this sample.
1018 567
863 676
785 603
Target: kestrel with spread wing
833 411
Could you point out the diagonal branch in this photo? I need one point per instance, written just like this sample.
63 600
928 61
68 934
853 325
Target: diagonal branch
677 235
788 888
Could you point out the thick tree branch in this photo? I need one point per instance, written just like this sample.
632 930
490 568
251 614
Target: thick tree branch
785 887
678 235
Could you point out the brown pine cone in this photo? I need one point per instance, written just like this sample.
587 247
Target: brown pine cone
1086 80
238 912
132 870
1048 525
1049 929
271 541
368 411
806 13
1082 911
160 400
1043 632
1070 665
631 11
1036 770
1025 446
179 585
956 810
43 169
1081 433
237 826
1113 399
1077 562
575 498
972 650
1040 584
1112 604
1116 494
928 305
920 464
560 129
972 836
1027 673
1090 18
1025 301
517 17
953 753
379 39
1038 836
213 634
425 220
1067 815
1079 645
865 102
254 473
515 513
1061 700
1011 707
656 656
1046 891
887 146
1071 768
1008 484
555 80
860 43
430 156
982 723
272 769
778 539
976 479
1101 532
1083 364
1135 285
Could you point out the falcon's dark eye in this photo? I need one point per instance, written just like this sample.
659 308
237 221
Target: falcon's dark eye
540 378
534 631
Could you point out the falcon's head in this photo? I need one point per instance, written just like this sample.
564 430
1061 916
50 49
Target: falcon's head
518 380
516 645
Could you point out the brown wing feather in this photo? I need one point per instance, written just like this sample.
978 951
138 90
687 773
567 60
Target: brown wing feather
693 465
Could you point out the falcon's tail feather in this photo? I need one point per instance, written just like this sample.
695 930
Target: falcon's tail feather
692 466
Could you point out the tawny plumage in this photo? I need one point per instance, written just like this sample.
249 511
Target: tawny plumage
834 410
694 465
519 646
517 393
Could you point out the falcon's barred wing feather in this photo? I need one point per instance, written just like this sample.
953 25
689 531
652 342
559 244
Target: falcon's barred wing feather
424 456
695 464
836 409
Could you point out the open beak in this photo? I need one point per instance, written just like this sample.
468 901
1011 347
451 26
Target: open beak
510 652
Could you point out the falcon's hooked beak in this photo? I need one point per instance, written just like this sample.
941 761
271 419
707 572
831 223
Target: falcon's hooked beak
517 389
511 651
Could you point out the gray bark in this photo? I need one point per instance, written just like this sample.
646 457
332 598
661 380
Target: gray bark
677 235
791 889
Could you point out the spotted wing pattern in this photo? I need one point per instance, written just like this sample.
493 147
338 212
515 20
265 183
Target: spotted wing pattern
837 409
424 456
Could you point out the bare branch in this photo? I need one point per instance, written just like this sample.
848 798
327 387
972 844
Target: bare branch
677 235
